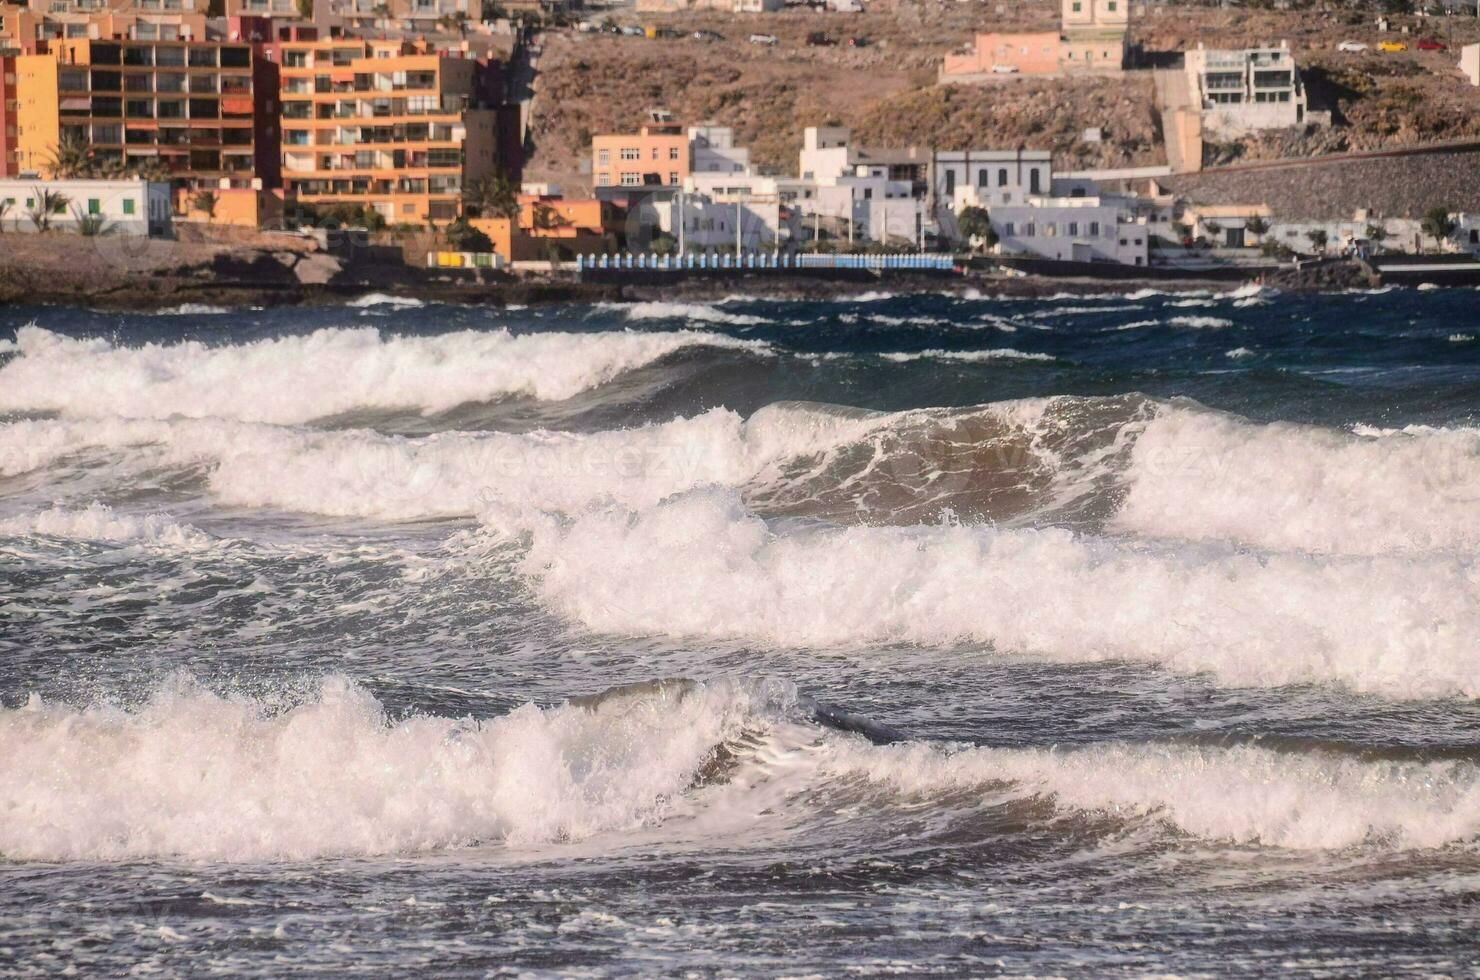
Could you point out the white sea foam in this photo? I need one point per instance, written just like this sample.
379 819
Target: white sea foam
194 309
998 354
384 299
1202 475
194 775
1238 353
699 565
98 522
1200 322
296 379
1240 794
694 312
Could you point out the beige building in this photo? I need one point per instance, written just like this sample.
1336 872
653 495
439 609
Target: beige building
1469 62
1092 39
657 154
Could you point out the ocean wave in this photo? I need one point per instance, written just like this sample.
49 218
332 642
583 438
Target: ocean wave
701 565
98 522
385 299
976 356
197 775
693 312
1200 322
328 372
1203 475
1244 794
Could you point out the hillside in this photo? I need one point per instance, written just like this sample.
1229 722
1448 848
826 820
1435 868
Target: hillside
887 90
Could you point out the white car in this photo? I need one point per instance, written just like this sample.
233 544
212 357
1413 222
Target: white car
763 39
1352 47
1004 69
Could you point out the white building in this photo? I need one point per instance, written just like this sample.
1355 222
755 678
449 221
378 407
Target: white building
990 178
1073 229
1469 62
1247 90
712 150
870 194
759 6
124 207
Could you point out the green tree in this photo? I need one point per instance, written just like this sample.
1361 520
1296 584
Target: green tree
1437 224
90 225
493 196
975 222
1256 226
1318 239
663 244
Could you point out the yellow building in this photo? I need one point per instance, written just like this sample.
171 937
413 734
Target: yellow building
658 153
188 107
384 125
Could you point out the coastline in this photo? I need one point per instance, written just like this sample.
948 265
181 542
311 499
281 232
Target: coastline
62 272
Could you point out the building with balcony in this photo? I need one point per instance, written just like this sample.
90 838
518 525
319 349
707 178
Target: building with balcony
188 107
406 15
388 125
9 165
659 153
1246 90
29 28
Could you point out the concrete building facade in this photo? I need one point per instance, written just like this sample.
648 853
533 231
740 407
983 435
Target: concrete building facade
125 207
386 126
189 107
1244 91
657 154
1093 38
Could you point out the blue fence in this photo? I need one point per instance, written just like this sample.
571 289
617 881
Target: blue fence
925 261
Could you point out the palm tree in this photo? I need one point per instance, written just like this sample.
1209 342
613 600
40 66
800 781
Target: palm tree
5 205
71 159
1318 239
48 203
90 225
1438 225
1257 227
493 196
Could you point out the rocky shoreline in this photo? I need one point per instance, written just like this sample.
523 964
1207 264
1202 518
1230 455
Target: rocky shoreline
31 276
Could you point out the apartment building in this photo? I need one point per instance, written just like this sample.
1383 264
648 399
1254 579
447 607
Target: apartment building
658 153
713 151
29 27
9 164
188 106
387 125
1243 91
408 15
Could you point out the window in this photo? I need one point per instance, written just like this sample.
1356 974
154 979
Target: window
1073 229
673 153
1002 177
1033 182
1094 229
128 206
1077 6
1110 6
603 158
631 153
94 206
630 179
673 176
950 182
1050 230
1007 229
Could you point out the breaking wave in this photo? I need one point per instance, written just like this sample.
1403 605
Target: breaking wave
325 373
196 775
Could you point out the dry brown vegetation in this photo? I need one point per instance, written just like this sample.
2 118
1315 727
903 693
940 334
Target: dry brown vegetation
887 90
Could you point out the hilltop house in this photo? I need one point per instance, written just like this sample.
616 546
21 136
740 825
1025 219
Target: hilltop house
1092 39
1247 90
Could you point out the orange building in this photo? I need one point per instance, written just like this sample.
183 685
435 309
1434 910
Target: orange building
658 153
573 227
27 28
1025 54
188 106
8 105
1093 38
387 125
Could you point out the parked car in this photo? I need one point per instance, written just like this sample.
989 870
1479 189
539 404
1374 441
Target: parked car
1391 46
1004 69
858 42
1432 44
817 39
763 39
1351 47
631 31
